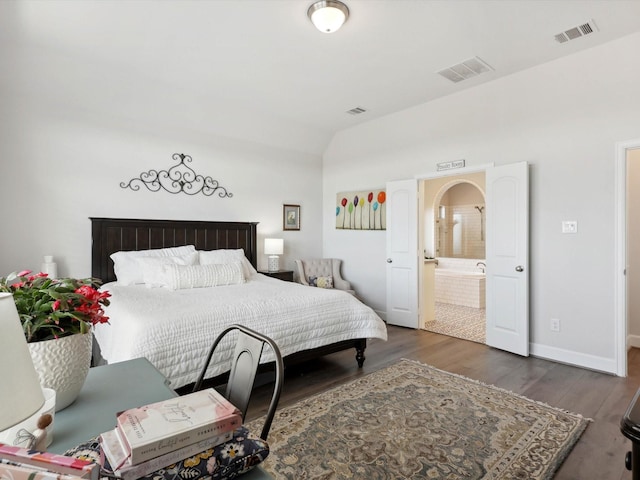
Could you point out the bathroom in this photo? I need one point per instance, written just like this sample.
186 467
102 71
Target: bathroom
454 248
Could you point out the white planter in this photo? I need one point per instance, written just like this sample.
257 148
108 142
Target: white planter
63 364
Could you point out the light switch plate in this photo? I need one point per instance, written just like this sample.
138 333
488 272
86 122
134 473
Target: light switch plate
569 226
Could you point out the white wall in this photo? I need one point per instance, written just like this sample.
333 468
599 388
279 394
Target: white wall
562 117
67 141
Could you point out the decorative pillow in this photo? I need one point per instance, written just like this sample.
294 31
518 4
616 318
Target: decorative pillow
321 282
225 461
208 257
153 271
127 268
198 276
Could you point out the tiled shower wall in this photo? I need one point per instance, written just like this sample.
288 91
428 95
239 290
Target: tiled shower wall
461 232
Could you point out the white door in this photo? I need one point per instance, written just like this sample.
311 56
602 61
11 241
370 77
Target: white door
507 252
402 253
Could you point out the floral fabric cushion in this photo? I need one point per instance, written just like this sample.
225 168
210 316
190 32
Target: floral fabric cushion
321 282
225 461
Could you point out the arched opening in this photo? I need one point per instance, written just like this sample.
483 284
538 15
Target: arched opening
459 226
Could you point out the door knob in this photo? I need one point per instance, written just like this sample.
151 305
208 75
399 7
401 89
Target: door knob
519 268
389 260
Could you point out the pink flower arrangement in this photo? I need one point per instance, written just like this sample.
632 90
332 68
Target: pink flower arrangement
51 308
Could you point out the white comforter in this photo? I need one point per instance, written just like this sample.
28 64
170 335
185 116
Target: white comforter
175 329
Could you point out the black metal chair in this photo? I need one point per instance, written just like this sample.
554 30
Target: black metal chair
244 366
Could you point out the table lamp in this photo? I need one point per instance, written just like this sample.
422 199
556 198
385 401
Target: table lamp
273 247
21 396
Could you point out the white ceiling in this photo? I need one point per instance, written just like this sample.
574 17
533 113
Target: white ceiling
264 59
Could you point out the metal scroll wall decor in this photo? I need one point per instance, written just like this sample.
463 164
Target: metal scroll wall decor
178 179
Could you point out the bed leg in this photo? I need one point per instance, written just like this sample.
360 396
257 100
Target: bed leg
361 344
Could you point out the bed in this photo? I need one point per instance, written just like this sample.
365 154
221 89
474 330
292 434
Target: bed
174 329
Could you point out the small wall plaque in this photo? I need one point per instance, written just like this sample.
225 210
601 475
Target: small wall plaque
450 165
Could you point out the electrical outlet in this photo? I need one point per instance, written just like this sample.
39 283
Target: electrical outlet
555 325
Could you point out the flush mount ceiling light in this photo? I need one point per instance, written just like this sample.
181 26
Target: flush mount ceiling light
328 15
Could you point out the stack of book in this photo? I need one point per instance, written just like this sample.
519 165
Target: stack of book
160 434
22 464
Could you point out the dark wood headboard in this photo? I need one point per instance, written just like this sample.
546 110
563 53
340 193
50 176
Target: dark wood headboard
110 235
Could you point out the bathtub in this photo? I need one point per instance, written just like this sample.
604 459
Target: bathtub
459 287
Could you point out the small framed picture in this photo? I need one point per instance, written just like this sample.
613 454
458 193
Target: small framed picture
291 217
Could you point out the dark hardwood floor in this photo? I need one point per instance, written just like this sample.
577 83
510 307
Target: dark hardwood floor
602 397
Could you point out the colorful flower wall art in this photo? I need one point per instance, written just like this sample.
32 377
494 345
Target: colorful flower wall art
365 210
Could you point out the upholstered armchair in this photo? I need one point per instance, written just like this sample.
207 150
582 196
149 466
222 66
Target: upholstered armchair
323 268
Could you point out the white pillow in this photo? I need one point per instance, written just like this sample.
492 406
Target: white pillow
223 256
127 268
199 276
153 272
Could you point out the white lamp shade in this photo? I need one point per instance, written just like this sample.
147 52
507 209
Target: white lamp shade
21 395
273 246
328 15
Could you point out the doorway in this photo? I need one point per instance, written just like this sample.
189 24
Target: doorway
507 253
626 186
454 232
628 254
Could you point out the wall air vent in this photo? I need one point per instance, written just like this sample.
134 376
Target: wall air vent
576 32
467 69
356 111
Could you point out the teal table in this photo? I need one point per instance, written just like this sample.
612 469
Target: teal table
110 389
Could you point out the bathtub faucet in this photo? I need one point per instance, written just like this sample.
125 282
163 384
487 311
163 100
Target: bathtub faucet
482 265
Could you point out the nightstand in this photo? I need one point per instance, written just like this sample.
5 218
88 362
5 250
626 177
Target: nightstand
286 275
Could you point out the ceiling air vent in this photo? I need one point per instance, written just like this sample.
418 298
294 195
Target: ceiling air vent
356 111
576 32
467 69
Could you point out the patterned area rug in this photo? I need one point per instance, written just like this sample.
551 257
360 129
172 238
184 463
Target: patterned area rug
458 321
412 421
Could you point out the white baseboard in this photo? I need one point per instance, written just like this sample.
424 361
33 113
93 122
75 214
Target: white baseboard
592 362
381 314
633 341
569 357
